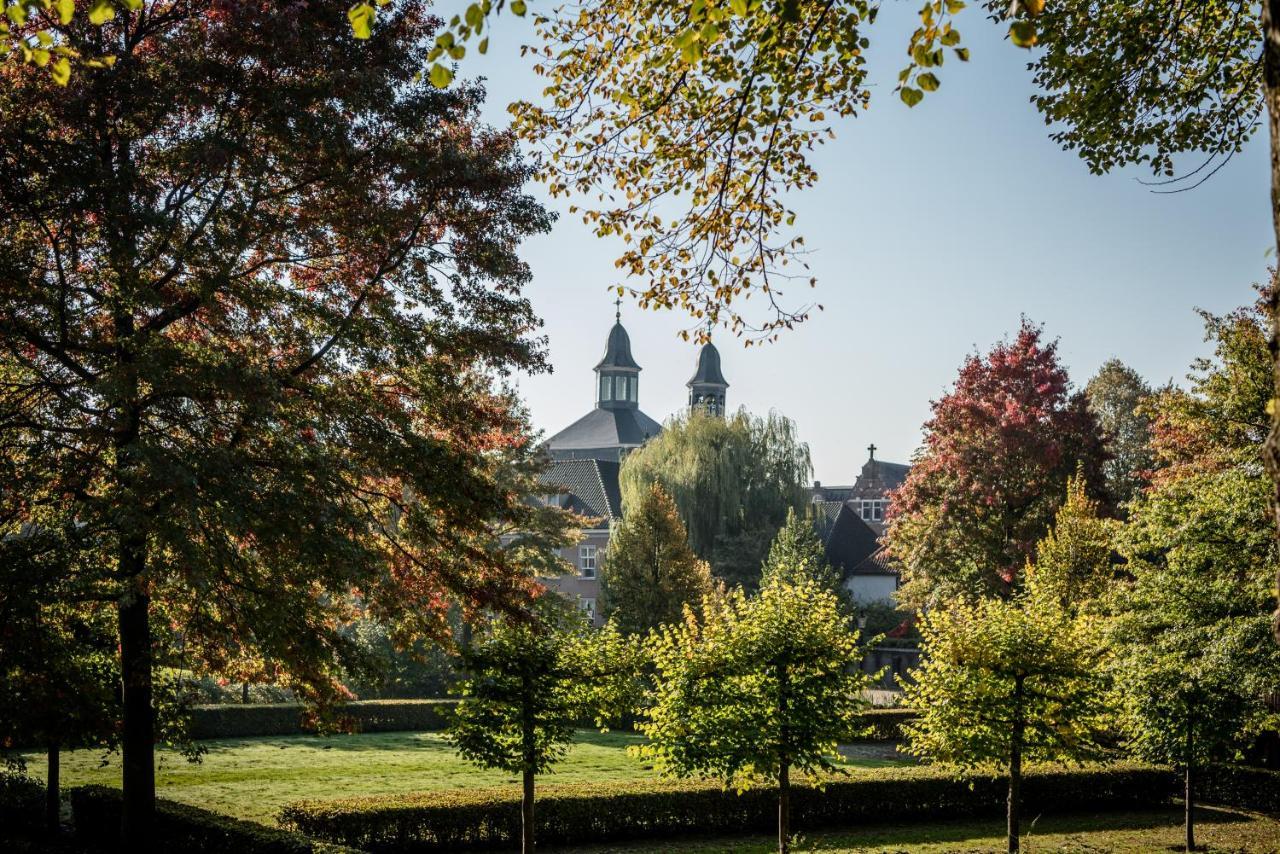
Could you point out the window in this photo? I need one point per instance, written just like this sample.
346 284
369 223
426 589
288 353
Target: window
606 388
587 561
587 606
634 390
623 391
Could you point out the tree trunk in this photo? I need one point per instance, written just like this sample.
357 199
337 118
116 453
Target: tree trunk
1190 810
526 813
137 741
1271 78
1015 769
244 693
528 745
53 792
784 808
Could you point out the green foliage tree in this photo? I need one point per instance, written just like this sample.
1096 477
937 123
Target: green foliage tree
261 284
650 574
733 479
1117 396
1074 562
1006 681
1197 661
797 555
528 684
755 689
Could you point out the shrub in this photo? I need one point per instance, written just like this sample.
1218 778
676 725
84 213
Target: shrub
21 801
230 721
567 815
884 724
179 827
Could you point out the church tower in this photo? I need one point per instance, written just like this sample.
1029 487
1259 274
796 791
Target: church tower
707 387
615 425
617 374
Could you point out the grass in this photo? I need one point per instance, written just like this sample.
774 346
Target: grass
253 778
1219 831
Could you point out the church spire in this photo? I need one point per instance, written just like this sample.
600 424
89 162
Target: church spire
617 374
707 386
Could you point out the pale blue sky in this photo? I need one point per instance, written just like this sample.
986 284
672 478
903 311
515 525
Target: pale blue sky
933 230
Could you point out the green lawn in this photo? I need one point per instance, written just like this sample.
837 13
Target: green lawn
253 777
1220 831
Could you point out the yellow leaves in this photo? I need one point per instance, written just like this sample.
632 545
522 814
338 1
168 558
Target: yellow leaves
441 76
101 11
66 8
61 71
361 17
1023 33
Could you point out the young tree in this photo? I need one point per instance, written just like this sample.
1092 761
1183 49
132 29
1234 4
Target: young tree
998 451
1074 562
757 688
261 283
1118 397
1007 681
1192 627
797 555
650 574
528 684
733 479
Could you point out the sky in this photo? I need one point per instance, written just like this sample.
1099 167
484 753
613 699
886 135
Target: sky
933 230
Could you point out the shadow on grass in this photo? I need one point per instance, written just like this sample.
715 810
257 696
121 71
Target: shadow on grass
960 833
387 741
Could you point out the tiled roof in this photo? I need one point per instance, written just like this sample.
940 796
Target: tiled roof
590 485
605 428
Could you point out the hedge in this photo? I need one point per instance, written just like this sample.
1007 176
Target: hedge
21 801
1253 789
232 721
569 815
191 830
884 724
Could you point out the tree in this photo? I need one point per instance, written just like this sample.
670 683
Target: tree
528 684
755 689
1192 626
1003 681
797 555
263 288
1118 396
733 479
58 669
650 573
998 451
1074 562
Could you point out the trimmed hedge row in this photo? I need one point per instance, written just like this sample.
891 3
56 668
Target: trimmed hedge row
568 815
21 801
1253 789
231 721
243 721
96 811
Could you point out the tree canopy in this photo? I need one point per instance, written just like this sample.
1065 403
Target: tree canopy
261 287
797 555
733 480
756 688
998 451
1118 397
650 574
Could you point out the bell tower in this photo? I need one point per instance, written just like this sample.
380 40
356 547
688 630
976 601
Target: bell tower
708 387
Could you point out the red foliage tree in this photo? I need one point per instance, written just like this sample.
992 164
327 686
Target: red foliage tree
993 471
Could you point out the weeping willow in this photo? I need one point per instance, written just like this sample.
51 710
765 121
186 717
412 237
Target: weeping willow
733 480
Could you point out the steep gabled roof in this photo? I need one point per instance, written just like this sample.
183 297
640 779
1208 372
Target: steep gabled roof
708 372
591 487
850 541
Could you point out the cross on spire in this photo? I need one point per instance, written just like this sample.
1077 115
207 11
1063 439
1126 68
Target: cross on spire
872 450
617 309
